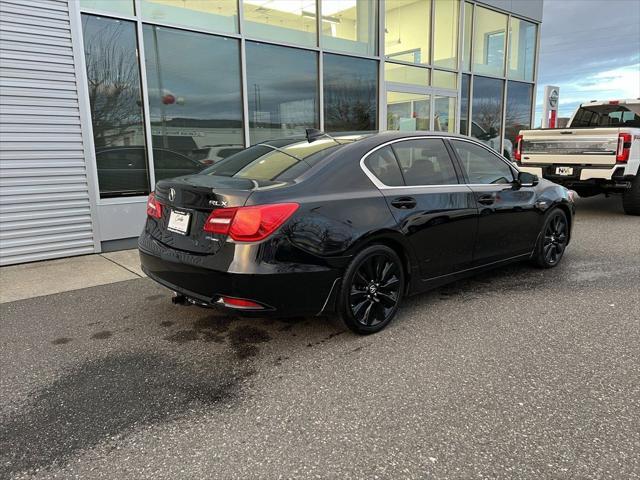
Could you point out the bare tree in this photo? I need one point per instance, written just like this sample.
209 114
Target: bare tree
114 83
351 106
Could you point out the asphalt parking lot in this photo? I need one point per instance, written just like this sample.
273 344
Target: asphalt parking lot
519 373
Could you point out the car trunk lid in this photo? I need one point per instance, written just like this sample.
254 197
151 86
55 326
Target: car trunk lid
193 198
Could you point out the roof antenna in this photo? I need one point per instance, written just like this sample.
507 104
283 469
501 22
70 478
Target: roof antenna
314 134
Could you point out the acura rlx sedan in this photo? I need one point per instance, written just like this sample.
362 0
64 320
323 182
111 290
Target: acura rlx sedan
347 224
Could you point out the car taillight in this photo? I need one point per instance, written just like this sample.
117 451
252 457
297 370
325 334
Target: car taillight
624 147
154 208
517 153
240 303
249 224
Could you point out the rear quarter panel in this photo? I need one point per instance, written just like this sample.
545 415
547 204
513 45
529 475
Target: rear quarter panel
340 210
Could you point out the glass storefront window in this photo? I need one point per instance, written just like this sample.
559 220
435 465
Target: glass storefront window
282 89
290 21
444 79
350 26
350 93
192 124
486 111
399 73
218 16
444 114
518 113
489 40
464 104
522 49
468 27
445 34
113 76
407 30
408 111
116 7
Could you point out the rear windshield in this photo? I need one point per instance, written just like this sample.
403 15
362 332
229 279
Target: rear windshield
280 160
607 116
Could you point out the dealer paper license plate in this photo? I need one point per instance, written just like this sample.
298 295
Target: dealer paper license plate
564 170
179 222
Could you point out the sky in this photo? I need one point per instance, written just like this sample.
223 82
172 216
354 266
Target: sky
591 50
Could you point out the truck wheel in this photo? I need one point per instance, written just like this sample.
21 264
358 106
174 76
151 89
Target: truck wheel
631 198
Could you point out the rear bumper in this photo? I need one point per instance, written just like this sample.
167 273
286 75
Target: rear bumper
286 291
613 177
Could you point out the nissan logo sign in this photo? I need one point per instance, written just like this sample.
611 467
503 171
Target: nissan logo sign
553 98
172 194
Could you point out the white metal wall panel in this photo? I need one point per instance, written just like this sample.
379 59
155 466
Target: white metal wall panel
45 207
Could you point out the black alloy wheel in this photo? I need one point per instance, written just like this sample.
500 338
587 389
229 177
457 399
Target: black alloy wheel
372 289
553 240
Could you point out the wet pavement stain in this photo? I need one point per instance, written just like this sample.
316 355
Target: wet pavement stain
105 398
61 341
243 340
207 329
102 335
152 298
213 322
208 336
183 336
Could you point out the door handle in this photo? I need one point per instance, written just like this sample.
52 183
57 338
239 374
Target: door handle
404 202
488 199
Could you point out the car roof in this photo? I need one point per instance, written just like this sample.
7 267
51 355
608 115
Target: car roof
597 103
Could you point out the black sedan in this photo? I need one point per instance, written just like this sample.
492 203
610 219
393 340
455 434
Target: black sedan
347 224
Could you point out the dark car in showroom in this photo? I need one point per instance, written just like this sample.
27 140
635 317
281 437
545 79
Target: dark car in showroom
347 224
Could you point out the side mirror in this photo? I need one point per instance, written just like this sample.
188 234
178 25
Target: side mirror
526 179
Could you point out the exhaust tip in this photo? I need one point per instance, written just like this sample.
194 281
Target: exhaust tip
179 299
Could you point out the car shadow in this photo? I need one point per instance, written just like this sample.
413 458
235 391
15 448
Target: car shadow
599 204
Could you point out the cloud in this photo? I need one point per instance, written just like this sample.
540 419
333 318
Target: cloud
591 50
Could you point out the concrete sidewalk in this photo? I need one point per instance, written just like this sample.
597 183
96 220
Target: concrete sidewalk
29 280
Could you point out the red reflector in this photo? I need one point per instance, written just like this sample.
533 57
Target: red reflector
154 208
614 102
249 224
517 153
624 147
240 303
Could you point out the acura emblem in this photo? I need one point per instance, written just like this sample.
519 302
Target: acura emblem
172 194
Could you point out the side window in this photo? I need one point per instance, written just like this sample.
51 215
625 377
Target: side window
480 165
425 162
382 163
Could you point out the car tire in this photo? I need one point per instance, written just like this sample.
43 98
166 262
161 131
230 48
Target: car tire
552 241
631 198
371 290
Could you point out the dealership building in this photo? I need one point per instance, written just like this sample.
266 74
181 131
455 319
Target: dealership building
99 99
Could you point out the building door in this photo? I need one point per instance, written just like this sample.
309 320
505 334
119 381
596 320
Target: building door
411 108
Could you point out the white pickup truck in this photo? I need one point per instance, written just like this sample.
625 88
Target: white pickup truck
598 152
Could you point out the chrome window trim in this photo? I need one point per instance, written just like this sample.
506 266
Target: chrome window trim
376 181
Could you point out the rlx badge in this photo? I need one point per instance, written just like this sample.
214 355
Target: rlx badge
217 203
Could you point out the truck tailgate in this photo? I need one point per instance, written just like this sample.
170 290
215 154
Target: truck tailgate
589 146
